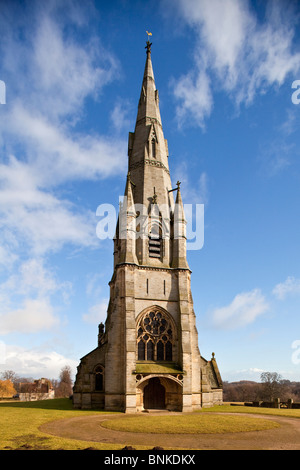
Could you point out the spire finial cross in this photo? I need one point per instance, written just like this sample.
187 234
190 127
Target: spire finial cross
154 197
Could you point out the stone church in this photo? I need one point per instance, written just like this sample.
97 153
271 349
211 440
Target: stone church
147 355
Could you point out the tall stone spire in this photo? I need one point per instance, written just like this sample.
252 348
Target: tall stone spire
147 355
149 102
147 147
149 167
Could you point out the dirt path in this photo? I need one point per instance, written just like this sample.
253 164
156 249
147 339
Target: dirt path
88 428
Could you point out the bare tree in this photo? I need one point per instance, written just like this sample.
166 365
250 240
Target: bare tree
271 385
15 379
64 388
9 375
244 390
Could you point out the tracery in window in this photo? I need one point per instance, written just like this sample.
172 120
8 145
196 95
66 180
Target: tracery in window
154 337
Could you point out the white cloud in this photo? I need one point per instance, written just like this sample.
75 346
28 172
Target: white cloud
119 115
33 316
36 363
36 216
253 373
243 310
51 72
66 72
234 52
202 189
56 154
289 286
26 298
94 285
194 92
50 77
192 194
33 277
7 258
49 66
97 313
276 156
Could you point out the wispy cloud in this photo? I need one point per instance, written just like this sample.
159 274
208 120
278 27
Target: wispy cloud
244 309
119 115
47 100
50 75
26 298
290 286
47 64
192 194
276 156
97 313
194 93
33 362
280 152
57 154
36 216
33 316
51 71
234 52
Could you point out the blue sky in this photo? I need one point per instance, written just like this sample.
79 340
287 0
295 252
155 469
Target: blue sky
72 75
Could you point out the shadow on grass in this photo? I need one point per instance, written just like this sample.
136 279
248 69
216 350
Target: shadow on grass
63 404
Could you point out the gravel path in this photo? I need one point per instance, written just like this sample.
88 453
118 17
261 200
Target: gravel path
88 428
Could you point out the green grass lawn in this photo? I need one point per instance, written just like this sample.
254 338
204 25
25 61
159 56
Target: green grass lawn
253 410
190 424
20 422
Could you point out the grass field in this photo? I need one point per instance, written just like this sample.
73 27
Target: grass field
20 422
190 424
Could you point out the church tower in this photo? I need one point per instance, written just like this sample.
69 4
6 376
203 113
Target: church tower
147 355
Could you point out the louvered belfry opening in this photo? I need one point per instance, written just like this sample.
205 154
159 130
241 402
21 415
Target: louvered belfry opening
155 242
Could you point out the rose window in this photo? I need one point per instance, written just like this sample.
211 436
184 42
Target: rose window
154 337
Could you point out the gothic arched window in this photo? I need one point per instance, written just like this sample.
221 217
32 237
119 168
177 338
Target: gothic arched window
155 337
99 379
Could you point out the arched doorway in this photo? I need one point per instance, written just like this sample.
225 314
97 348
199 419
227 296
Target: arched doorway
154 395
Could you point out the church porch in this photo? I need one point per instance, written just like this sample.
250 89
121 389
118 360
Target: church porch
159 392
